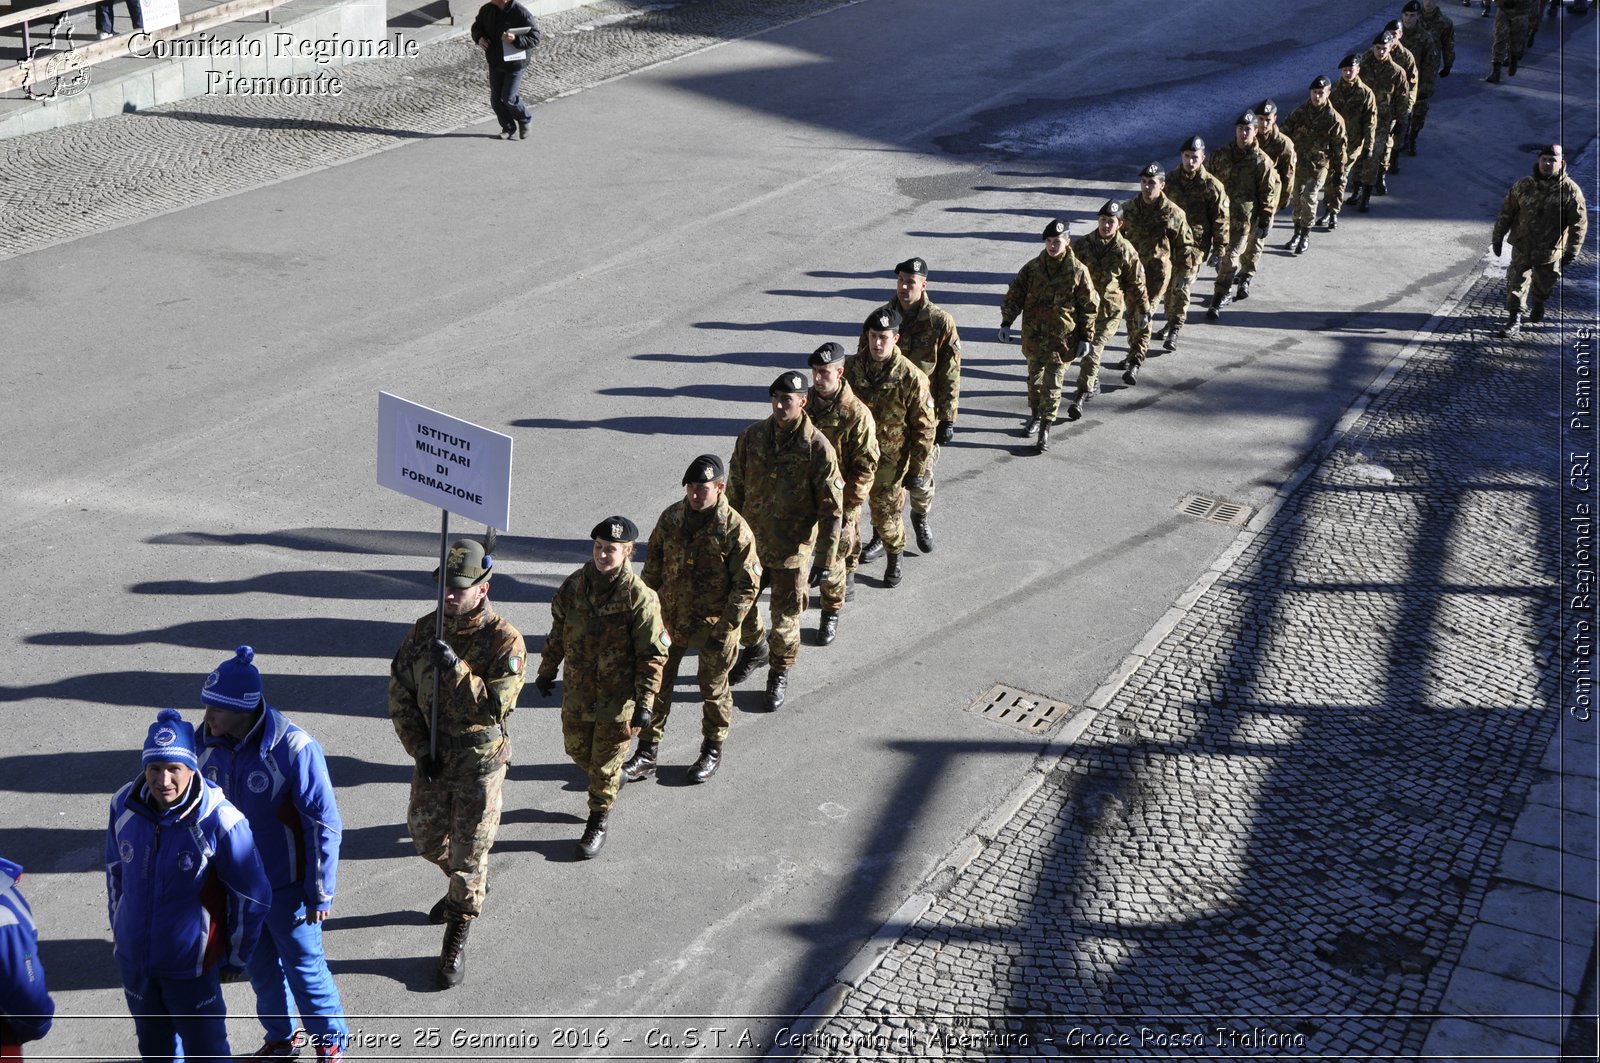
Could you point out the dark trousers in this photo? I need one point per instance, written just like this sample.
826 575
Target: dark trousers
176 1018
104 16
505 87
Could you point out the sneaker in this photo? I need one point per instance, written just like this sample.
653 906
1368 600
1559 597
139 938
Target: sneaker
270 1050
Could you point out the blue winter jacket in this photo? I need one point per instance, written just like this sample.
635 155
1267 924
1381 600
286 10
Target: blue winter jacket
25 1005
278 777
186 889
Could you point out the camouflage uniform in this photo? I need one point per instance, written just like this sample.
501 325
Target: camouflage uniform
1511 21
453 820
1546 219
1252 187
847 424
929 341
1160 234
703 568
902 414
1407 61
1358 106
1444 33
1387 80
1319 140
1280 150
1115 269
1425 49
607 637
1058 304
786 485
1205 204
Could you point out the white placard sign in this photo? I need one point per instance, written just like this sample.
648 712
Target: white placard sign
455 465
159 14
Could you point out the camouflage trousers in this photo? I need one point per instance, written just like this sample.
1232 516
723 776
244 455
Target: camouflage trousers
1177 301
922 497
1254 242
712 672
790 593
1106 325
1157 274
453 823
1229 263
1377 162
832 591
1047 369
1310 177
1338 180
1524 272
1419 115
887 503
599 747
1510 36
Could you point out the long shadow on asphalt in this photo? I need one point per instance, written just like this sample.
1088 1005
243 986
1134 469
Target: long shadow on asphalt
646 425
306 125
372 585
420 543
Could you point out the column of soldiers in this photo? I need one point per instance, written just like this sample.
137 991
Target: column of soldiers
866 431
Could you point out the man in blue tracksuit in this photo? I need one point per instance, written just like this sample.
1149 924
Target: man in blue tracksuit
187 897
276 775
25 1005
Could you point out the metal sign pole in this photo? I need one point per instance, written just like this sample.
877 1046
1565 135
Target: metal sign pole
438 633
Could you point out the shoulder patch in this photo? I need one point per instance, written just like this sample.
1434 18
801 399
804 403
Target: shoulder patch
514 664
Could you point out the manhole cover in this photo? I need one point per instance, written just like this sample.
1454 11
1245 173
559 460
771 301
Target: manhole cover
1216 510
1019 709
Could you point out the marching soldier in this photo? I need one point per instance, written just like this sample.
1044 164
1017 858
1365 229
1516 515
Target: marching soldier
929 341
1160 234
607 638
1205 205
1319 138
1118 277
1280 150
1510 35
1057 301
784 481
1426 49
1388 83
1358 107
1252 186
847 423
1402 55
454 812
902 413
1546 219
702 565
1444 31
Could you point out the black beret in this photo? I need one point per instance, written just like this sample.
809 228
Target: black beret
1267 109
1056 228
1247 118
1353 59
827 354
913 265
1319 82
883 319
704 469
615 530
1394 25
1111 209
1153 170
1411 7
1193 144
790 383
1384 38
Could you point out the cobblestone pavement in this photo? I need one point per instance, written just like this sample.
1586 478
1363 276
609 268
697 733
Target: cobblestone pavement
71 182
1277 836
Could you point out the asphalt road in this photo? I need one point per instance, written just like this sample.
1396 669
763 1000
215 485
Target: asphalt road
192 426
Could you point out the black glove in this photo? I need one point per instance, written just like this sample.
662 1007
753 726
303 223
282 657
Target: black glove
641 715
1083 349
916 483
428 767
544 684
816 576
444 658
1445 72
824 575
1499 246
945 433
1214 260
1263 223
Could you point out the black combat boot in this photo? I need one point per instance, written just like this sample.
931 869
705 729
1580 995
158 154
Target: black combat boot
1304 241
1130 375
745 664
891 570
1494 76
874 548
1355 194
1293 239
1513 327
1363 205
1333 222
1170 344
919 525
594 835
1029 426
642 764
1161 333
828 630
706 766
1244 288
453 957
778 683
1080 400
1379 189
1536 314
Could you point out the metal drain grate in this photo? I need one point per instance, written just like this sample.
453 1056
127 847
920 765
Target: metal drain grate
1216 510
1019 709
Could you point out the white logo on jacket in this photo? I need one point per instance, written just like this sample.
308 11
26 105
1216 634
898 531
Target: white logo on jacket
258 782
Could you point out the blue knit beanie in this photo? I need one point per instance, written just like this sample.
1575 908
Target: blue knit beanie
236 684
170 738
